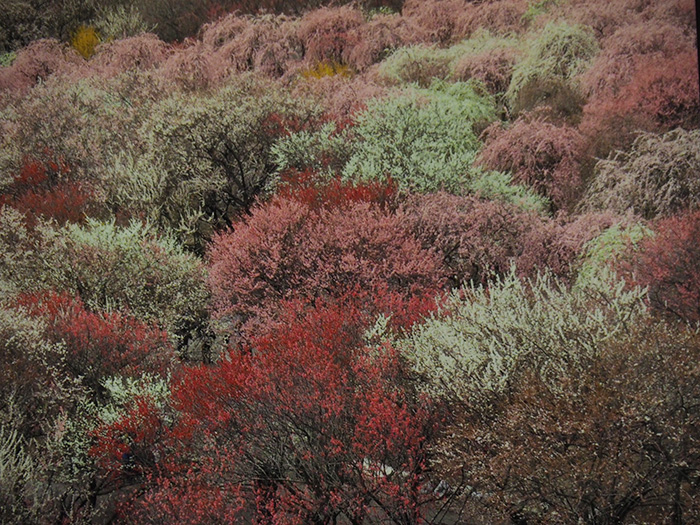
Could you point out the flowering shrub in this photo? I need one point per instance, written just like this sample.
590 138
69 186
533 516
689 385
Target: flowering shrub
36 63
36 393
628 49
604 18
665 91
487 337
34 385
326 33
17 470
130 269
668 264
608 17
610 249
624 425
542 155
192 67
82 122
17 244
556 244
100 345
486 58
317 192
286 251
433 21
225 259
417 64
342 98
656 177
325 150
209 170
374 40
121 22
477 239
45 190
424 145
267 44
499 186
660 96
311 426
140 52
502 17
555 57
174 22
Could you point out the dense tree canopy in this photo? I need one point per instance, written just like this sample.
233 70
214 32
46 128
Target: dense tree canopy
379 261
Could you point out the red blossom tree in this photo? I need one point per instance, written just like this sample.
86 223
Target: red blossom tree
538 153
285 250
327 33
669 265
661 95
477 239
44 188
306 188
100 345
309 425
557 243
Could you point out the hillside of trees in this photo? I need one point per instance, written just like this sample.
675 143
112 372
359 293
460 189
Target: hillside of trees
279 262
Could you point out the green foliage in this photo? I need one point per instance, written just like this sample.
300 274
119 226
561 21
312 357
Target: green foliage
424 140
557 54
325 150
538 7
17 471
487 337
119 396
602 252
419 64
120 21
210 155
499 186
6 59
130 268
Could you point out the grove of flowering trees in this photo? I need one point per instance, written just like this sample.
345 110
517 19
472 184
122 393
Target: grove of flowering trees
361 262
